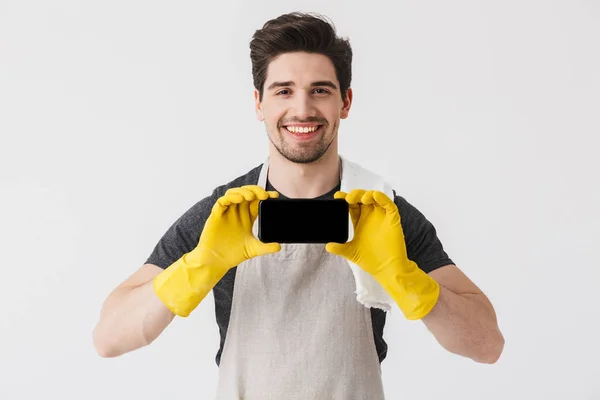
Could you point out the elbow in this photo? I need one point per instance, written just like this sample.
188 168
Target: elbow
106 352
103 346
491 352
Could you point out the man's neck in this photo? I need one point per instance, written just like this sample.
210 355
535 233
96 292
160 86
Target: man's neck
304 180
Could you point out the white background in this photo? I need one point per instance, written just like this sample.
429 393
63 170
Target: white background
117 116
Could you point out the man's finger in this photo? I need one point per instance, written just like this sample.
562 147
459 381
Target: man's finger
245 192
384 201
355 196
367 197
259 192
340 195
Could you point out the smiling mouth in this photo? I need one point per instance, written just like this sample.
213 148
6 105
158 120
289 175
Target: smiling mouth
303 130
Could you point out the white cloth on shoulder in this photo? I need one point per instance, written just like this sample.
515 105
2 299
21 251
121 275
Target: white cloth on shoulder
368 291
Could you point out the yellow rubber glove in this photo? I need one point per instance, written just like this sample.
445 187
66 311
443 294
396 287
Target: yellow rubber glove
379 248
226 241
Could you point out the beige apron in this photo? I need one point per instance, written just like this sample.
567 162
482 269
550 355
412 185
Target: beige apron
297 331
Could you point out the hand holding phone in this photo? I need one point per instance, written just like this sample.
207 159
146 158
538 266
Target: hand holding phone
379 248
226 241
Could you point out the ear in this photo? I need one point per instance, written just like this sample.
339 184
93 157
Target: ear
346 104
258 106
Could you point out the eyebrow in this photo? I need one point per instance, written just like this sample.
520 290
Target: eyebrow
291 83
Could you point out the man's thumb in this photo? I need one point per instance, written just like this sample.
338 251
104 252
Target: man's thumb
338 249
268 248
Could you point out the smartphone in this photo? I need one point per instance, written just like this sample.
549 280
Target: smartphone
303 221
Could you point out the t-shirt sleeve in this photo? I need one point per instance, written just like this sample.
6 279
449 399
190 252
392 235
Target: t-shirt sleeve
422 243
183 235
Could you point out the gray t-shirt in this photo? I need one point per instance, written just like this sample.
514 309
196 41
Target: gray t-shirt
422 243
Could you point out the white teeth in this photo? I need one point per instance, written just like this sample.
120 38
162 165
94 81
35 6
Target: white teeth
298 129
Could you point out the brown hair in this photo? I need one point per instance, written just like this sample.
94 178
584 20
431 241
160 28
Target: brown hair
297 31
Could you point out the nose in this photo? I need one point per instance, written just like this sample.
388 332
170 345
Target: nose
304 106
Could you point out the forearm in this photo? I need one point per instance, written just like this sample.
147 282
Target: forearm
130 318
465 324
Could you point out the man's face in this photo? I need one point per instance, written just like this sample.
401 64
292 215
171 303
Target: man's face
302 106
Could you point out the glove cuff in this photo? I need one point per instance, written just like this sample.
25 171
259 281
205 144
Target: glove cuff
415 292
184 284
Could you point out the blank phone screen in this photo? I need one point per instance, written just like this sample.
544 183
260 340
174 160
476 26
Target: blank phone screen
303 221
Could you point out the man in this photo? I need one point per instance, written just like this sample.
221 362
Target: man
291 326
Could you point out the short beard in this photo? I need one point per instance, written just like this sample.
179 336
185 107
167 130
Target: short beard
297 157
